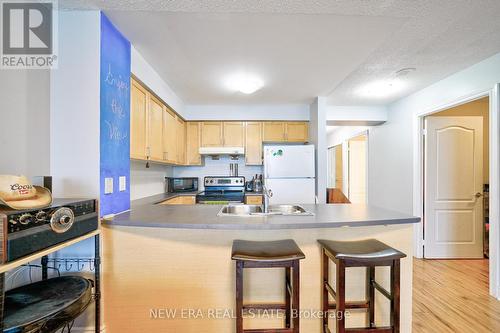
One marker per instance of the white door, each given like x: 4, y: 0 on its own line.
x: 357, y: 169
x: 453, y: 186
x: 292, y: 191
x: 282, y: 161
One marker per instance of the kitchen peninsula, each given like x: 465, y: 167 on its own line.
x: 180, y: 263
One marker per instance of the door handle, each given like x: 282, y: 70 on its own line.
x: 478, y: 195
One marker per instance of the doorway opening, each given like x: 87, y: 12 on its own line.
x: 456, y: 182
x: 357, y: 166
x: 348, y: 165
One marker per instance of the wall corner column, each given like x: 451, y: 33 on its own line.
x: 317, y: 130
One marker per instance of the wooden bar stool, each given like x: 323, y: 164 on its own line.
x: 366, y: 253
x: 273, y: 254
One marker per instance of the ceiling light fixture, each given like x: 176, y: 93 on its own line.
x: 382, y: 88
x: 388, y: 87
x: 244, y: 82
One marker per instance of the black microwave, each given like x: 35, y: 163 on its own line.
x: 184, y: 184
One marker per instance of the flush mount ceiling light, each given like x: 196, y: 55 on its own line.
x: 244, y: 82
x: 388, y: 87
x: 382, y: 88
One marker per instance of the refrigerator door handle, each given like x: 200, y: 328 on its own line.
x: 266, y: 164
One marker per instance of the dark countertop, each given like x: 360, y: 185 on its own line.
x: 144, y: 213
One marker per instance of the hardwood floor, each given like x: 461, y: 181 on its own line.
x: 452, y: 296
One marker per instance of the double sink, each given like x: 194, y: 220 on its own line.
x: 258, y: 210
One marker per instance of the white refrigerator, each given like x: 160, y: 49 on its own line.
x: 289, y: 171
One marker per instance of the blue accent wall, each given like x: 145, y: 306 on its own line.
x: 115, y: 117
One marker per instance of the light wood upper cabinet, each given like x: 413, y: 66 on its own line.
x: 297, y: 131
x: 211, y: 134
x: 155, y: 136
x: 181, y: 141
x: 293, y: 131
x: 253, y: 146
x: 138, y: 121
x: 159, y: 134
x: 274, y: 131
x: 234, y: 134
x: 170, y: 137
x: 193, y: 130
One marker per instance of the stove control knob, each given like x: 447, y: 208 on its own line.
x: 41, y: 216
x: 13, y: 222
x: 26, y: 219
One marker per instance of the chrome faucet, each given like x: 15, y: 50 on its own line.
x: 268, y: 193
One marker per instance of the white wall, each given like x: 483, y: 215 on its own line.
x: 317, y: 135
x: 147, y: 74
x: 24, y: 119
x: 391, y: 145
x: 361, y: 114
x: 145, y: 182
x: 340, y: 134
x: 247, y: 112
x: 75, y: 106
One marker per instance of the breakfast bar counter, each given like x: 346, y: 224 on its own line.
x: 147, y: 213
x: 169, y: 268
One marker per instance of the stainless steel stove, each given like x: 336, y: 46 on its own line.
x: 222, y: 190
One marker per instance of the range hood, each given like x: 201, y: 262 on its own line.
x: 222, y: 151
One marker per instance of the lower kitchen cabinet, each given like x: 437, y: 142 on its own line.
x: 253, y: 199
x: 180, y: 200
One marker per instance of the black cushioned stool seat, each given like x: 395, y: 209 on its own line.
x: 368, y: 253
x: 269, y: 254
x: 279, y: 250
x: 369, y: 249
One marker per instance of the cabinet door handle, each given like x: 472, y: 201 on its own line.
x: 148, y: 152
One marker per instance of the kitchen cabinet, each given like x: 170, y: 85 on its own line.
x: 274, y: 131
x: 286, y: 131
x: 253, y: 199
x: 170, y: 137
x: 253, y: 143
x: 211, y: 134
x: 181, y: 141
x: 180, y: 200
x: 193, y: 138
x: 297, y: 131
x: 159, y: 134
x: 138, y: 121
x: 233, y: 134
x: 155, y: 137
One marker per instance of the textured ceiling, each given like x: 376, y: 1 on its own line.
x: 351, y: 43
